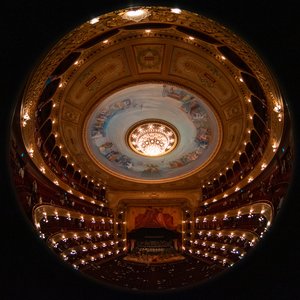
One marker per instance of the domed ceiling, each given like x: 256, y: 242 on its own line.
x: 153, y: 63
x: 151, y: 118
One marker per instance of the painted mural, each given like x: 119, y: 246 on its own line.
x: 193, y: 119
x: 154, y: 217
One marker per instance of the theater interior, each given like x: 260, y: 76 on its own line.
x: 151, y: 150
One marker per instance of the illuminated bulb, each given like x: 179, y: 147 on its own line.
x: 76, y: 62
x: 30, y: 152
x: 223, y: 57
x: 94, y: 21
x: 176, y: 10
x: 135, y: 13
x: 191, y: 38
x: 148, y: 30
x: 105, y: 41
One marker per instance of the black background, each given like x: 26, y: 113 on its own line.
x: 28, y: 270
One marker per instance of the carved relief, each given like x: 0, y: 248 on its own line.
x: 107, y: 69
x: 70, y: 114
x: 149, y: 58
x: 203, y: 72
x: 233, y: 110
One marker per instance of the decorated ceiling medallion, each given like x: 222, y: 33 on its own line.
x: 124, y: 137
x: 152, y: 138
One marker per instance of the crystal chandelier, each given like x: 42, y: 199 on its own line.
x: 152, y: 138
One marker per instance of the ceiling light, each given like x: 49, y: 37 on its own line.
x: 136, y: 15
x: 152, y: 138
x: 176, y: 10
x: 94, y: 21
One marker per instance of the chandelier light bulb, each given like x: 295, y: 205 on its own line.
x: 152, y: 138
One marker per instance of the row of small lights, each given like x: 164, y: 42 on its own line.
x: 134, y: 13
x: 231, y: 236
x: 95, y: 246
x: 70, y: 191
x: 75, y: 236
x: 211, y: 256
x: 68, y: 216
x: 263, y: 166
x: 222, y: 247
x: 237, y: 188
x: 31, y: 151
x: 238, y: 216
x: 95, y: 258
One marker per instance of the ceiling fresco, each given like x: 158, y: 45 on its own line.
x: 194, y: 120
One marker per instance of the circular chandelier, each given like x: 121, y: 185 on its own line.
x: 152, y: 137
